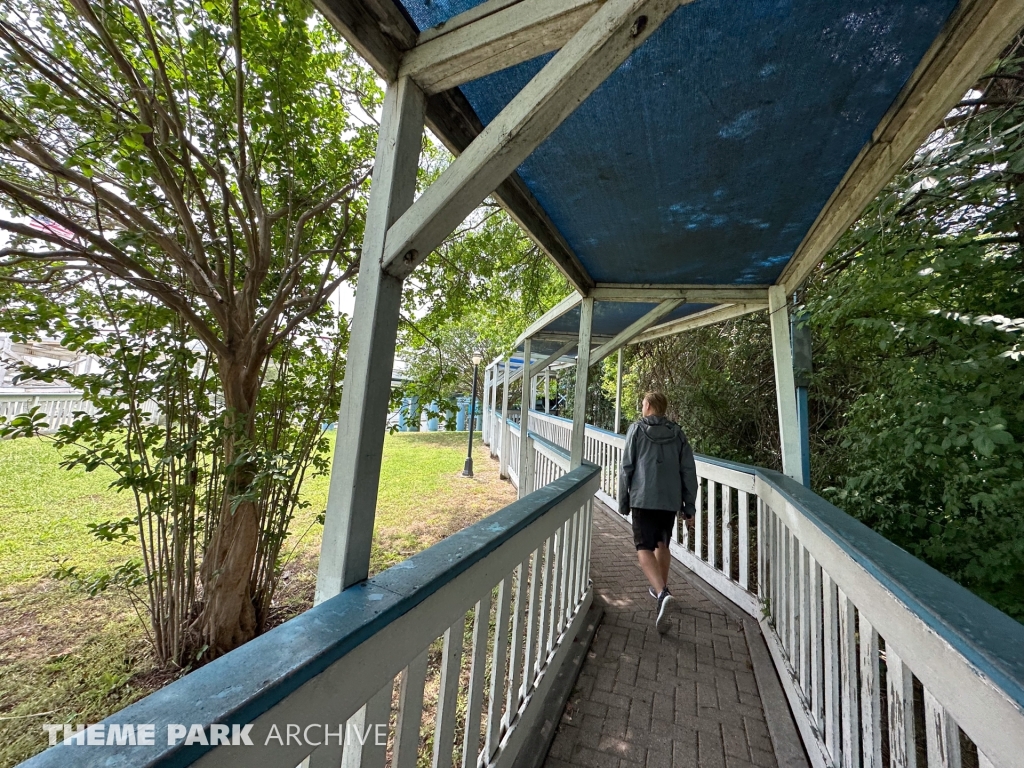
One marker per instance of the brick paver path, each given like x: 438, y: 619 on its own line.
x: 687, y: 698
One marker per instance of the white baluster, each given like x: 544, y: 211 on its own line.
x: 448, y: 695
x: 772, y: 560
x: 762, y: 590
x: 712, y: 516
x: 561, y: 584
x: 830, y: 607
x: 410, y: 713
x: 848, y: 682
x: 792, y: 599
x: 816, y: 626
x: 518, y: 644
x: 533, y: 611
x: 870, y: 695
x: 805, y: 619
x: 942, y: 735
x: 743, y: 524
x: 497, y: 697
x: 727, y: 497
x: 785, y: 590
x: 545, y: 603
x: 369, y: 754
x: 900, y: 687
x: 698, y: 524
x: 587, y: 545
x: 477, y: 673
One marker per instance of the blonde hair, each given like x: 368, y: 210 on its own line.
x: 658, y: 402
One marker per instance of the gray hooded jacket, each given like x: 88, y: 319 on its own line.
x: 657, y: 471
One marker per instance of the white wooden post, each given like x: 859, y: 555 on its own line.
x: 503, y: 427
x: 524, y: 422
x: 618, y: 392
x: 355, y: 474
x: 484, y: 399
x: 495, y: 433
x: 579, y: 410
x: 785, y: 386
x: 547, y: 391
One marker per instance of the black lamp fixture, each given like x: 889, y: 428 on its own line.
x: 467, y: 471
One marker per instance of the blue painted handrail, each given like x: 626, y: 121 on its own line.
x: 553, y: 447
x: 244, y: 684
x: 988, y: 638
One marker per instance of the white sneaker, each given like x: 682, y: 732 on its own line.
x: 665, y: 604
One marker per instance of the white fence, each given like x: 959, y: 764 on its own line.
x: 58, y: 409
x: 884, y: 660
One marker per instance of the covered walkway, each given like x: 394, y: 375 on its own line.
x: 682, y: 162
x: 686, y: 698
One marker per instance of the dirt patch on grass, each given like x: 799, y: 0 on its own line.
x: 66, y: 657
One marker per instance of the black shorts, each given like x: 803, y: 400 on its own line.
x: 652, y: 527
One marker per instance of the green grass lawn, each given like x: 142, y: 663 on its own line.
x: 66, y: 657
x: 44, y: 511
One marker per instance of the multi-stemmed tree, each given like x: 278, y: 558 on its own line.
x: 182, y: 186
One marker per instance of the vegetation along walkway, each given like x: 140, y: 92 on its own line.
x: 690, y: 697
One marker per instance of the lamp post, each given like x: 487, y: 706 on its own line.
x: 467, y: 471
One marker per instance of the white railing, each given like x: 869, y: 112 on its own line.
x: 513, y: 453
x: 884, y: 660
x: 58, y: 410
x: 551, y: 428
x: 492, y: 436
x: 547, y: 460
x: 501, y: 600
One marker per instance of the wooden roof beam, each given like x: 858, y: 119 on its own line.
x: 697, y: 294
x: 536, y: 368
x: 377, y: 29
x: 567, y: 304
x: 699, y: 320
x: 381, y: 34
x: 492, y: 37
x: 583, y: 63
x: 633, y: 330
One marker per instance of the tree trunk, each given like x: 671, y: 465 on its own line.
x: 228, y: 616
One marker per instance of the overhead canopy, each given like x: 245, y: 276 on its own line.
x: 707, y: 156
x: 729, y: 150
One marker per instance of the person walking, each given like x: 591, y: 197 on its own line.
x: 657, y: 480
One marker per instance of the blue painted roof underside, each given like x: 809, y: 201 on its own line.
x: 610, y: 317
x: 707, y: 155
